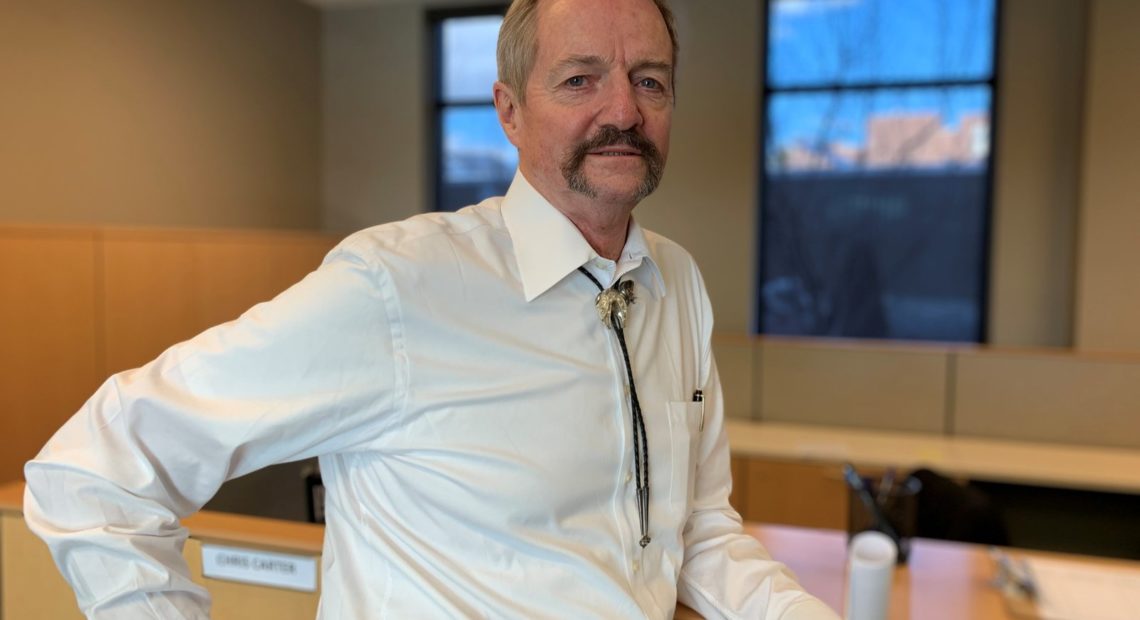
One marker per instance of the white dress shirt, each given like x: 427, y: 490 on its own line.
x: 472, y: 419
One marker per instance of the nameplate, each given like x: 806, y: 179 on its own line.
x: 263, y: 568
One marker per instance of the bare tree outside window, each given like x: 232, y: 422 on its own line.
x: 876, y: 175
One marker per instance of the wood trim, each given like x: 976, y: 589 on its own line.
x: 995, y: 460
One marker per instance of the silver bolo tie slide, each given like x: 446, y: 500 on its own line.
x: 613, y: 303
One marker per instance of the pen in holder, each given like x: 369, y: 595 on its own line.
x: 886, y: 506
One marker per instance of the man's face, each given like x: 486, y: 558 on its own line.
x: 599, y: 102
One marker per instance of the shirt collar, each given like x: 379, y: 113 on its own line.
x: 548, y: 246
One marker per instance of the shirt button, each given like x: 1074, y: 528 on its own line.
x: 636, y: 566
x: 628, y: 477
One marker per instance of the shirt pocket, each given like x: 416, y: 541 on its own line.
x: 685, y: 419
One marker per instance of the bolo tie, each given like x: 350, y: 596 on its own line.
x: 613, y: 305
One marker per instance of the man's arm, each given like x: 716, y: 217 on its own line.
x: 726, y: 573
x: 312, y: 372
x: 729, y: 574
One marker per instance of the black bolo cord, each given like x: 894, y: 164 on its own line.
x: 640, y: 445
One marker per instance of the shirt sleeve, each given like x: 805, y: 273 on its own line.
x: 316, y: 370
x: 727, y: 573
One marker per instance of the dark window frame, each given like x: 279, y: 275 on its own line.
x: 766, y: 93
x: 434, y: 97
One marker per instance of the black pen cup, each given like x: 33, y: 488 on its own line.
x: 898, y: 505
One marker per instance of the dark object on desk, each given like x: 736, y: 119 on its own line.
x: 948, y: 510
x: 315, y: 491
x: 276, y: 492
x: 1100, y: 523
x: 882, y: 505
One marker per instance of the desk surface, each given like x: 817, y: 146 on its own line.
x: 1017, y: 462
x: 944, y: 580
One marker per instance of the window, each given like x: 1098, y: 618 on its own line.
x: 473, y: 159
x: 876, y: 174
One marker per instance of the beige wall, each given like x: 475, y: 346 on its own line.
x: 375, y: 115
x: 376, y: 111
x: 707, y: 201
x: 1040, y: 95
x: 1108, y: 299
x: 160, y: 112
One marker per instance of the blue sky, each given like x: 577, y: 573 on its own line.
x: 862, y: 40
x: 850, y: 41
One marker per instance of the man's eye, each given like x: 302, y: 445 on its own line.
x: 576, y: 81
x: 650, y: 83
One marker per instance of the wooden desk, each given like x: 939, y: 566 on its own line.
x: 32, y: 589
x: 943, y: 580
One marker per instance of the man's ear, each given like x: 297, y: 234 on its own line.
x: 507, y: 107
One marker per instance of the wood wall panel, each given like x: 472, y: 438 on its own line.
x: 48, y: 348
x: 805, y: 494
x: 30, y: 586
x: 793, y: 492
x: 1063, y: 398
x: 734, y: 355
x: 80, y: 304
x: 267, y: 267
x: 739, y: 484
x: 165, y: 287
x: 148, y: 303
x: 865, y: 385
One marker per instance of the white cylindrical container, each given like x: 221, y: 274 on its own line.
x: 870, y: 570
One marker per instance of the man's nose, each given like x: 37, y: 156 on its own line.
x: 620, y: 106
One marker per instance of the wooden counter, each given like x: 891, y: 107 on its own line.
x: 791, y: 474
x: 995, y: 460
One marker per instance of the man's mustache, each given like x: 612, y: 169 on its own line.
x: 609, y: 135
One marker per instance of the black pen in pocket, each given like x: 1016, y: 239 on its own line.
x: 699, y: 397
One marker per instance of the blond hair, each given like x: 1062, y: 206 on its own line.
x: 518, y: 42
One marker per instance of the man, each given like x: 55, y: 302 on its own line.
x: 490, y: 448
